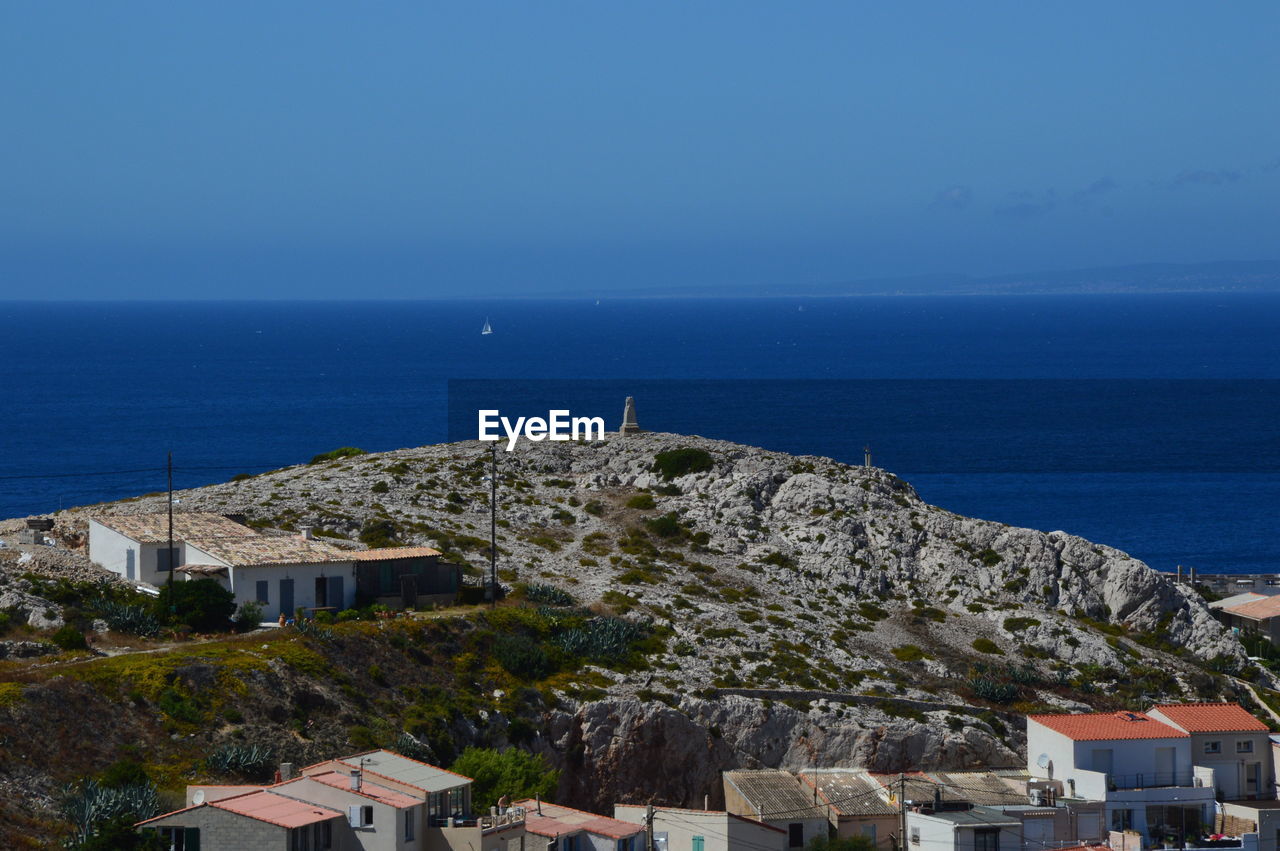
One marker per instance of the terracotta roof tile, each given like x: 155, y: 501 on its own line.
x: 1108, y: 726
x: 153, y: 528
x: 268, y: 549
x: 391, y: 797
x: 393, y: 552
x: 276, y: 809
x: 1211, y: 717
x: 557, y: 820
x: 1259, y: 610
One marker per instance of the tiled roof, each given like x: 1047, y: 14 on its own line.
x: 202, y: 569
x: 1259, y: 610
x: 1108, y: 726
x: 154, y: 528
x: 399, y: 800
x: 1236, y: 599
x: 556, y: 820
x: 392, y: 553
x: 983, y: 788
x: 266, y: 806
x: 775, y: 794
x: 276, y: 809
x: 402, y: 769
x: 850, y: 792
x: 1210, y: 717
x: 269, y: 549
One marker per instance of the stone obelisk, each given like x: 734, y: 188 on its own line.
x: 629, y: 424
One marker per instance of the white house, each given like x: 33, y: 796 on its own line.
x: 780, y: 799
x: 281, y: 572
x: 136, y: 546
x: 1228, y: 739
x: 678, y: 829
x: 971, y: 829
x: 1139, y: 766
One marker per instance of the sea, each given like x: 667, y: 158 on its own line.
x: 1147, y: 422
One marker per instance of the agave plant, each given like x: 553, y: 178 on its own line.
x: 602, y: 638
x: 549, y: 594
x: 241, y: 760
x: 88, y: 804
x: 133, y: 619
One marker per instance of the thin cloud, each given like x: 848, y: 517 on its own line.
x: 1206, y: 177
x: 1029, y: 205
x: 1098, y: 188
x: 954, y: 198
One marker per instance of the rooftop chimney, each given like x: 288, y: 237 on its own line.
x: 306, y: 533
x: 287, y: 771
x: 356, y: 780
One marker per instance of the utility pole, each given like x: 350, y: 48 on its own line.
x: 493, y: 526
x: 173, y: 608
x: 648, y: 826
x: 902, y: 812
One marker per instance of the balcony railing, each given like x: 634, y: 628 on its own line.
x: 1151, y: 780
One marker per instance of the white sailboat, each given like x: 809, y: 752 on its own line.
x: 487, y: 329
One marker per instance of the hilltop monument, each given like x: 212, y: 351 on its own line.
x: 629, y: 424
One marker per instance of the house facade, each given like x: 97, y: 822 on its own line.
x: 779, y: 799
x: 136, y: 546
x: 1138, y: 767
x: 259, y: 820
x: 405, y: 577
x: 1226, y: 738
x: 678, y: 829
x: 963, y: 829
x: 857, y: 804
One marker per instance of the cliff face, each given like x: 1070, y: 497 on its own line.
x: 810, y: 613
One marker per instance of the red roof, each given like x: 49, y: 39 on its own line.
x: 1210, y: 717
x: 556, y: 820
x: 1108, y: 726
x: 262, y: 805
x: 1258, y: 610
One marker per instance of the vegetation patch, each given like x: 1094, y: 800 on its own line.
x: 682, y: 462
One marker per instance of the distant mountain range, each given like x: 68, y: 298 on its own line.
x: 1232, y: 276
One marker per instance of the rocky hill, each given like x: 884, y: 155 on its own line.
x: 800, y: 612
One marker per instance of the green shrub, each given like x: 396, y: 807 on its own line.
x: 986, y: 645
x: 380, y: 487
x: 471, y: 595
x: 335, y: 454
x: 202, y: 604
x: 379, y: 533
x: 522, y: 657
x: 1019, y: 624
x: 666, y: 526
x: 642, y: 501
x: 69, y: 638
x: 909, y: 653
x: 513, y: 772
x: 681, y: 462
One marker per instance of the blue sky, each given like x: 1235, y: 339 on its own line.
x: 304, y: 150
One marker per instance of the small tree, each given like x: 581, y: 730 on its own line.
x: 846, y: 843
x: 515, y: 773
x: 202, y: 604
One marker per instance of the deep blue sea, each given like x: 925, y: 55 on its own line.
x: 1151, y: 423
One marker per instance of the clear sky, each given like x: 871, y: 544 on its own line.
x: 419, y: 149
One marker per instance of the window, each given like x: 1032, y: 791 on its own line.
x: 869, y: 831
x: 166, y: 559
x: 1122, y: 819
x: 386, y: 579
x: 360, y: 816
x: 322, y: 835
x: 408, y: 825
x: 986, y: 839
x: 263, y: 591
x: 180, y: 838
x: 698, y: 842
x: 795, y: 835
x: 1245, y: 746
x: 1213, y: 747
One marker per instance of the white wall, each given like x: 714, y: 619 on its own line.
x: 122, y: 555
x: 387, y: 833
x: 719, y: 830
x: 243, y: 582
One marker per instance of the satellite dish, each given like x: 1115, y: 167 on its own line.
x: 198, y: 797
x: 1043, y: 760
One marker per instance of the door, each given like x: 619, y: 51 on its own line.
x: 322, y: 592
x: 1164, y: 766
x: 286, y: 597
x: 409, y: 591
x: 130, y: 565
x: 334, y: 595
